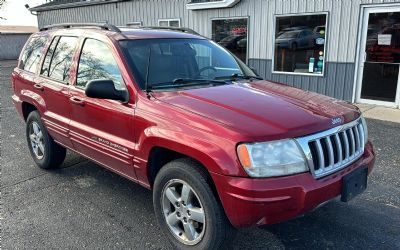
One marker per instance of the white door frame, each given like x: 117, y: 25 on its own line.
x: 361, y: 54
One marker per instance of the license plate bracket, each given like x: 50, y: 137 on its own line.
x: 354, y: 184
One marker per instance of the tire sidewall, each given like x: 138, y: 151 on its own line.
x: 211, y: 208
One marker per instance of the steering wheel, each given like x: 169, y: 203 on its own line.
x: 207, y: 68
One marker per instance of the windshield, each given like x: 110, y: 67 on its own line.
x: 174, y: 59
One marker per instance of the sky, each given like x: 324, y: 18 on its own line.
x: 16, y: 13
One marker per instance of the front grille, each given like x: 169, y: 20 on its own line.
x: 334, y: 149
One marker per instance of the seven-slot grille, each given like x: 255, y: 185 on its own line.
x: 335, y: 149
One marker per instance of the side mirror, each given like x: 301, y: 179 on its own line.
x: 105, y: 89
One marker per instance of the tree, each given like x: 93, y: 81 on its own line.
x: 2, y: 2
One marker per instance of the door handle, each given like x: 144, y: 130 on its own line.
x: 38, y: 86
x: 77, y: 101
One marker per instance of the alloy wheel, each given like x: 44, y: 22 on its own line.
x: 36, y: 139
x: 183, y: 212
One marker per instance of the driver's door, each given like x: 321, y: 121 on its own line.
x: 101, y: 129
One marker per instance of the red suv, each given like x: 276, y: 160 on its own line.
x: 177, y: 113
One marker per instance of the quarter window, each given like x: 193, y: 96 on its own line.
x: 300, y: 43
x: 97, y: 62
x: 60, y: 64
x: 32, y: 54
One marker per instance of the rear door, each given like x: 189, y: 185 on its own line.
x: 55, y: 80
x: 102, y: 129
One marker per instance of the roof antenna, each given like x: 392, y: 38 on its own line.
x: 146, y: 84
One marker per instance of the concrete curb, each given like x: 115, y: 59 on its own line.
x: 380, y: 113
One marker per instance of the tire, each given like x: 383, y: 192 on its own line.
x: 216, y: 230
x: 45, y: 152
x: 294, y: 46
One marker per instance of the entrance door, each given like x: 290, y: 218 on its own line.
x: 380, y: 57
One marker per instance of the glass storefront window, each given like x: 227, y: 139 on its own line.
x: 231, y: 34
x: 300, y: 43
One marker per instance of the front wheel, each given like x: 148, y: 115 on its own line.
x: 186, y: 208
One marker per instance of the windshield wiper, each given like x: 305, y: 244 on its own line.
x: 236, y: 77
x: 186, y: 82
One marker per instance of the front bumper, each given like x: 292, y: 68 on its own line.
x: 249, y: 202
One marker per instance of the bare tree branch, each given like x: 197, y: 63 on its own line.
x: 2, y: 2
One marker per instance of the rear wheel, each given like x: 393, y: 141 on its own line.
x: 186, y: 208
x: 45, y: 152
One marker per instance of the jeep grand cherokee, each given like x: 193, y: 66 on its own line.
x: 177, y: 113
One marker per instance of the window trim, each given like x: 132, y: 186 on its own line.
x: 45, y: 55
x: 169, y: 20
x: 273, y: 71
x: 81, y: 47
x: 212, y: 4
x: 248, y: 32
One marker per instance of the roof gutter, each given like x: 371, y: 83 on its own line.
x: 72, y: 5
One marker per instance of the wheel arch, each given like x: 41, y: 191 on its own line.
x: 157, y: 151
x: 31, y: 101
x: 27, y: 108
x: 160, y: 156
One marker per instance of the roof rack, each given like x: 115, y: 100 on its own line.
x: 103, y: 26
x: 181, y: 29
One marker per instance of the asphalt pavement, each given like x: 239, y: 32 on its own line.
x: 81, y: 205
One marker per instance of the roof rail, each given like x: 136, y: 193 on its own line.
x: 181, y: 29
x: 103, y: 26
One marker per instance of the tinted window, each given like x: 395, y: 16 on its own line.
x: 62, y: 58
x: 178, y: 58
x: 46, y: 65
x: 232, y: 34
x: 300, y: 43
x: 32, y: 53
x: 97, y: 62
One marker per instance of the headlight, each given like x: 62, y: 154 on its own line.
x: 364, y: 124
x: 269, y: 159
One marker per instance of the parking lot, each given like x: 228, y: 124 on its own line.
x: 82, y: 205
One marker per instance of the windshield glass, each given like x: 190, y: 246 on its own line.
x: 172, y: 59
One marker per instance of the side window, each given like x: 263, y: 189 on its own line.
x: 97, y: 62
x: 47, y: 60
x: 31, y: 56
x: 60, y: 64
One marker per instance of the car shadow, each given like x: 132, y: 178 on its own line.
x: 334, y: 225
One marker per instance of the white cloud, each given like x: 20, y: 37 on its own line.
x: 16, y: 13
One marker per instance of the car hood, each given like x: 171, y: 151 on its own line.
x: 263, y: 110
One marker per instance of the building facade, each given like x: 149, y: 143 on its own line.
x: 11, y: 44
x: 348, y: 49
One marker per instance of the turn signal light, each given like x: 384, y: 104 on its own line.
x: 244, y: 156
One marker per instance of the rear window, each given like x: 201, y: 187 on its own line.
x: 32, y: 53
